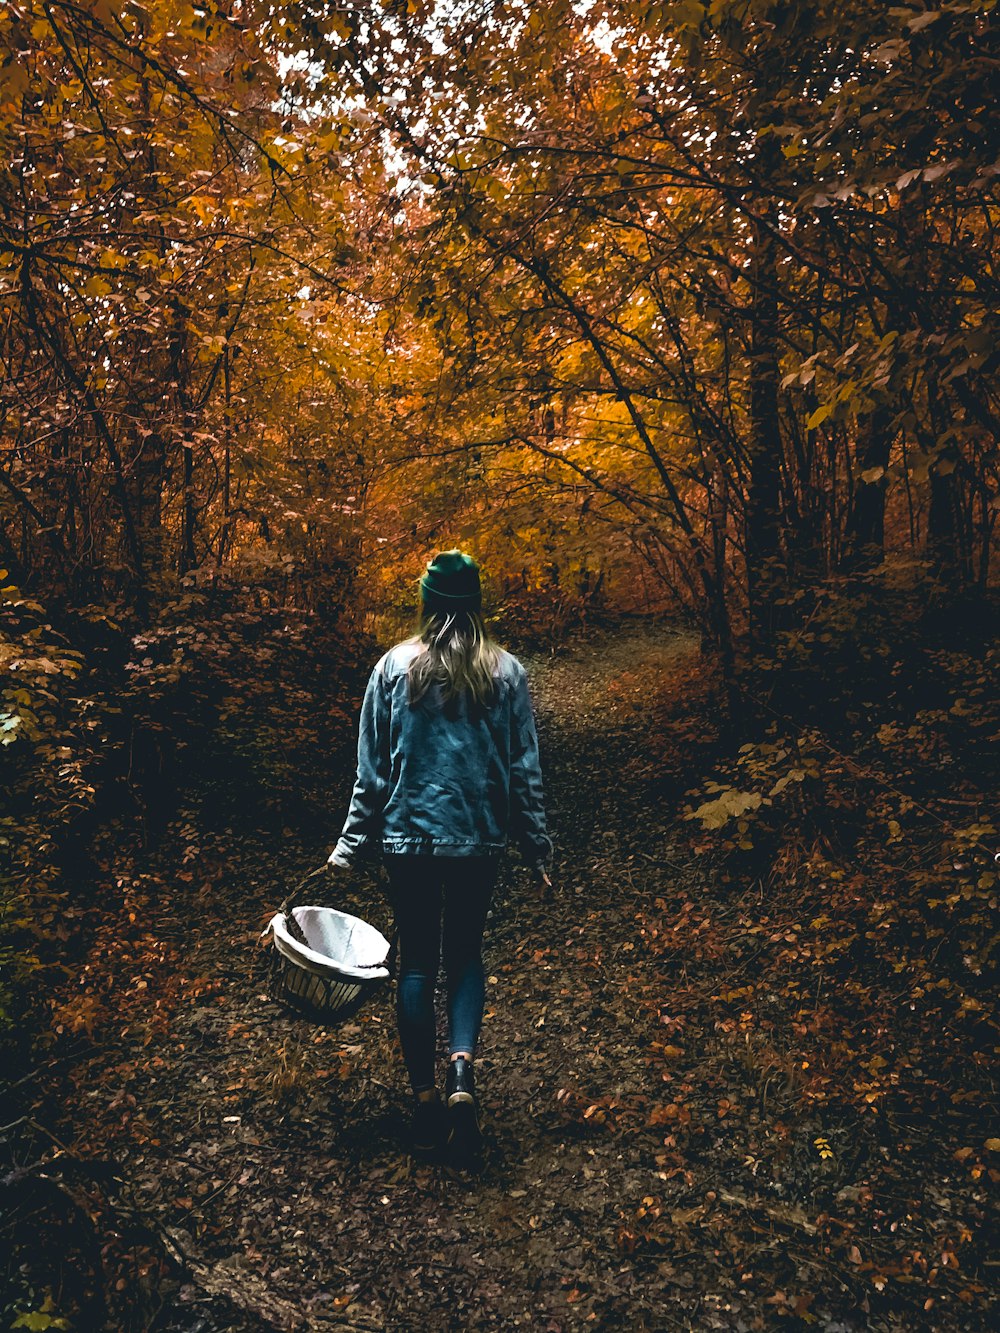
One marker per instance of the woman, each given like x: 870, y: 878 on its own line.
x: 447, y: 769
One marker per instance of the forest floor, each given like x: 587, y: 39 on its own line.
x: 652, y: 1160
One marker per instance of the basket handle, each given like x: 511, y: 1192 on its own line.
x: 289, y: 903
x: 291, y: 925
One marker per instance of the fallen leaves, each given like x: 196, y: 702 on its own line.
x: 687, y: 1106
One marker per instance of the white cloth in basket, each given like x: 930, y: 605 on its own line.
x: 338, y: 944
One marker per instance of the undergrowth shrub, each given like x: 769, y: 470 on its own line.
x: 863, y: 802
x: 241, y: 709
x: 106, y: 729
x: 49, y: 737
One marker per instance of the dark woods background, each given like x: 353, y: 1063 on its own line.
x: 681, y: 310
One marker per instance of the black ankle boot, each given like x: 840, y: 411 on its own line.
x: 426, y: 1125
x: 463, y: 1112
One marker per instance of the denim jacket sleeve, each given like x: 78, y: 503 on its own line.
x: 527, y: 809
x: 360, y: 834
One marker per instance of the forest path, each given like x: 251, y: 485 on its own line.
x: 274, y: 1152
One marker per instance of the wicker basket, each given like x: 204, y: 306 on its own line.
x: 326, y: 963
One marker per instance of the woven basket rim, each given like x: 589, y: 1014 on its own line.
x: 309, y: 960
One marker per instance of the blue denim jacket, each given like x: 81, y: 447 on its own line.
x: 440, y: 785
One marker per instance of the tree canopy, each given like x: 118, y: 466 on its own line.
x: 692, y: 298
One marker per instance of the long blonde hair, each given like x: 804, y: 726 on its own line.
x: 457, y: 653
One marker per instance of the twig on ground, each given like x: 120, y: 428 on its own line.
x: 237, y: 1283
x: 40, y: 1069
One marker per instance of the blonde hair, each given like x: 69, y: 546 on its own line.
x: 457, y: 653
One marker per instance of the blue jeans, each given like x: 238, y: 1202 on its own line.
x: 429, y: 891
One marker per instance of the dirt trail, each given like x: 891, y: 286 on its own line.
x: 652, y: 1156
x: 271, y: 1154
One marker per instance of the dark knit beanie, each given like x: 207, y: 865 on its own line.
x: 451, y: 583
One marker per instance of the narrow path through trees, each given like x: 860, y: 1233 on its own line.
x: 651, y: 1160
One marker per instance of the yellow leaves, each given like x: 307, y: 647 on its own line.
x: 204, y: 207
x: 103, y: 11
x: 688, y: 15
x: 42, y: 1319
x: 870, y: 1093
x: 340, y: 23
x: 79, y: 1014
x: 214, y: 343
x: 730, y: 805
x: 976, y: 832
x: 332, y: 137
x: 497, y: 188
x: 843, y: 395
x: 14, y: 80
x: 795, y: 775
x: 537, y: 22
x: 819, y: 416
x: 740, y: 993
x: 614, y: 96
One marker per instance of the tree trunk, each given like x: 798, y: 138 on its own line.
x: 864, y: 539
x: 766, y: 574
